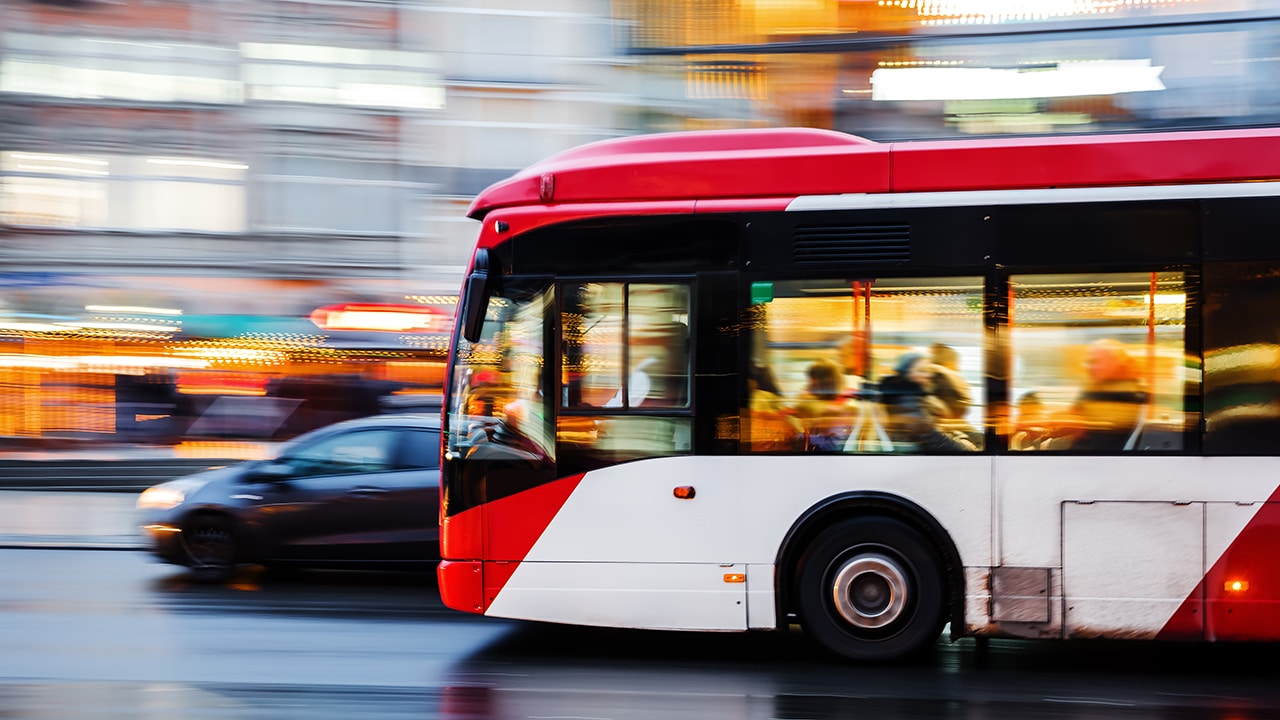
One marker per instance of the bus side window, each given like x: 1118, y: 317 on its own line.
x: 626, y: 346
x: 840, y: 349
x: 625, y: 349
x: 1241, y: 358
x: 1099, y: 363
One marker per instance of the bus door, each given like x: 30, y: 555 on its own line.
x: 498, y: 434
x: 625, y: 426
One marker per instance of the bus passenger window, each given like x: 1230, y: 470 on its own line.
x: 1241, y: 358
x: 866, y: 366
x: 625, y: 373
x: 1099, y: 363
x: 626, y: 346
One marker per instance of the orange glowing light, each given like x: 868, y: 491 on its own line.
x: 1235, y: 586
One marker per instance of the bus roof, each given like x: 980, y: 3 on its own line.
x: 794, y: 162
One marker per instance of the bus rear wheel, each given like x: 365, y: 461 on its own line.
x: 871, y: 589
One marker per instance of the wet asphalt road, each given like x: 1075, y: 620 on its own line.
x: 111, y: 634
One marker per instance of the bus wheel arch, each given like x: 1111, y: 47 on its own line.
x: 837, y: 512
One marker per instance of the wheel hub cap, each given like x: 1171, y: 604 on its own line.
x: 870, y: 591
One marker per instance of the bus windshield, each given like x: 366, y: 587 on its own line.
x: 498, y: 401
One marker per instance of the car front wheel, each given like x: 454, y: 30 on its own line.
x: 210, y: 544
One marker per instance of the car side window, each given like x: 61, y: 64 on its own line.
x: 421, y: 450
x: 364, y: 451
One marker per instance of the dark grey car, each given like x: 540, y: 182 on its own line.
x: 362, y: 493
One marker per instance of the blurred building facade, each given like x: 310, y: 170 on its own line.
x: 216, y: 213
x: 913, y: 69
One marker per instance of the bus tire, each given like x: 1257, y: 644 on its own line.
x: 872, y: 589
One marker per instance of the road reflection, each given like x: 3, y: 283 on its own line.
x: 485, y: 668
x: 309, y: 593
x: 549, y: 671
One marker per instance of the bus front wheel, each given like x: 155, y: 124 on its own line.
x: 871, y: 588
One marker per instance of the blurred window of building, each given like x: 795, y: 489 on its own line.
x: 122, y: 192
x: 312, y: 189
x: 327, y: 75
x: 100, y: 68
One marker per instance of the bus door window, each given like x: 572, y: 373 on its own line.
x: 1099, y: 362
x: 866, y: 365
x: 625, y: 371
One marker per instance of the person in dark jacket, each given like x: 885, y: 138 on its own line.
x: 914, y: 413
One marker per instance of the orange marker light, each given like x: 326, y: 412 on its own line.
x: 735, y: 578
x: 1235, y: 586
x: 684, y: 492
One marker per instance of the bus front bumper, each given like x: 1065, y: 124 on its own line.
x: 462, y: 585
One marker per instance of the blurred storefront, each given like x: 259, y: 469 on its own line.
x: 196, y: 362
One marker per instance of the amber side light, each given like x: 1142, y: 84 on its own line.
x: 684, y: 492
x: 1236, y: 586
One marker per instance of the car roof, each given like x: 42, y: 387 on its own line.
x: 427, y: 421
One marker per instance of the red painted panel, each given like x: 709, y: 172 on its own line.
x: 516, y: 522
x: 778, y: 162
x: 496, y: 575
x: 462, y: 585
x: 462, y: 535
x: 1253, y: 613
x: 1187, y: 623
x: 1079, y: 161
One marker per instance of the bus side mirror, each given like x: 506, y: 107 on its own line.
x: 477, y: 293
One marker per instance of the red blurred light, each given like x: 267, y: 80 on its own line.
x: 383, y: 317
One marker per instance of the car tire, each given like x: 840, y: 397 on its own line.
x: 209, y: 541
x: 872, y: 589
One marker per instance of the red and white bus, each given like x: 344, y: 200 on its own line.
x: 751, y: 380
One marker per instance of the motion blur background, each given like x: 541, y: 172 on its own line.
x: 225, y: 222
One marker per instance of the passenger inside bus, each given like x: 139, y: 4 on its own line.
x: 1031, y: 427
x: 1109, y: 407
x: 823, y: 410
x: 916, y: 417
x: 772, y: 426
x: 950, y: 387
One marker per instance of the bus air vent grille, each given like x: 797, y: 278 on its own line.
x: 874, y: 244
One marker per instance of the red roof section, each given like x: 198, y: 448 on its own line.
x: 791, y: 162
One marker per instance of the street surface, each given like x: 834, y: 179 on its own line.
x: 109, y: 633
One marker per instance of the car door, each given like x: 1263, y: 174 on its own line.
x: 411, y: 526
x: 334, y: 503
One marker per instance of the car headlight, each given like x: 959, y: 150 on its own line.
x: 168, y: 495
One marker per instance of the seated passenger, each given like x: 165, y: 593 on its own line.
x: 949, y: 386
x: 915, y: 414
x: 823, y: 411
x: 1032, y: 426
x: 770, y: 424
x: 1110, y: 405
